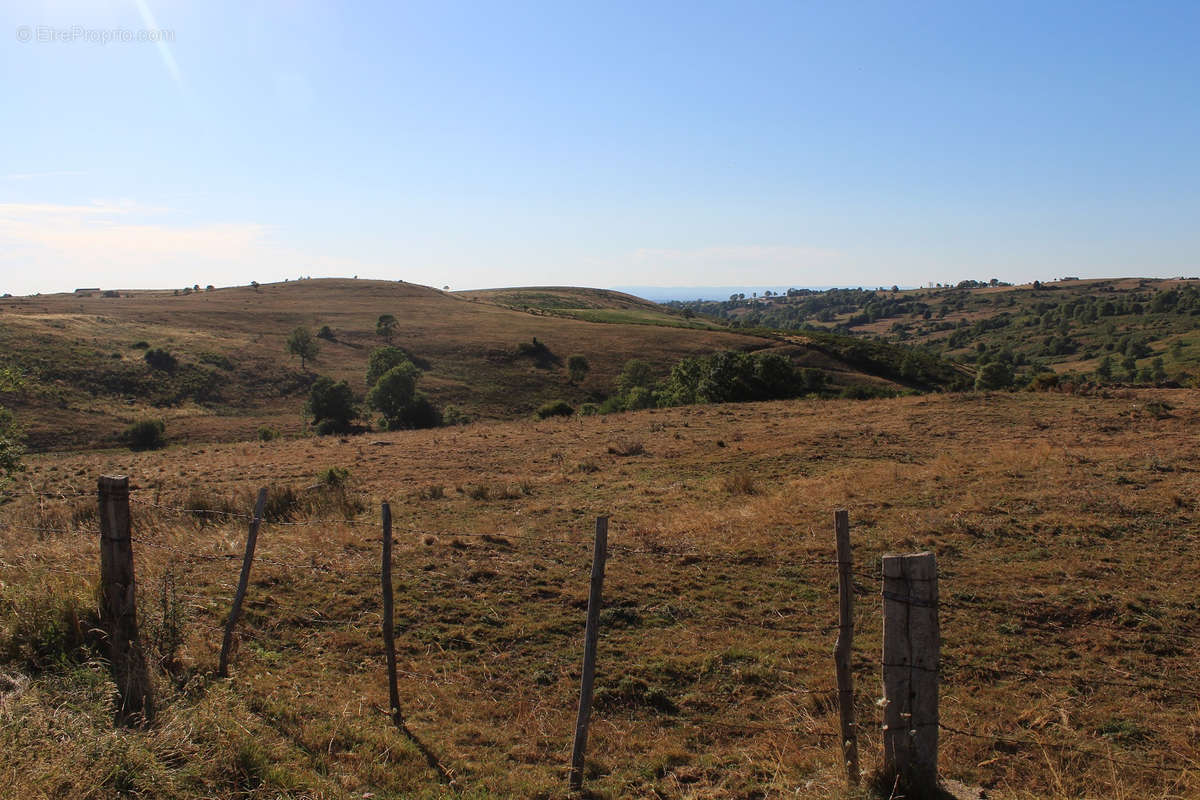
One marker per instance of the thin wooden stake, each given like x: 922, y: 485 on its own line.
x: 118, y: 606
x: 911, y: 650
x: 240, y: 594
x: 389, y: 636
x: 389, y: 646
x: 845, y: 645
x: 595, y: 596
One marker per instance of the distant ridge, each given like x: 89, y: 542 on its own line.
x: 663, y: 294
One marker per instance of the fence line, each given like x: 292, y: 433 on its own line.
x: 1068, y: 747
x: 634, y: 553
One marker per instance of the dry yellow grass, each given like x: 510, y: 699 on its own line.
x: 1065, y: 529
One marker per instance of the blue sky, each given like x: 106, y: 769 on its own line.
x: 509, y: 143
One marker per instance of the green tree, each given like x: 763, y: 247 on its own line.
x: 385, y: 326
x: 577, y: 367
x: 382, y: 359
x: 331, y: 406
x: 396, y: 398
x: 302, y: 343
x: 636, y: 372
x: 1105, y: 368
x: 1159, y: 371
x: 994, y: 375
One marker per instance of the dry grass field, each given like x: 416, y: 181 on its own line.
x: 83, y: 355
x: 1065, y: 528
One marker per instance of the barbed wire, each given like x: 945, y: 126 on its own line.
x: 1091, y: 753
x: 955, y: 664
x: 973, y: 606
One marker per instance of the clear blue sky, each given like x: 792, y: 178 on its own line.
x: 510, y: 143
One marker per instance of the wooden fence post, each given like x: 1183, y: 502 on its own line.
x: 911, y: 651
x: 845, y: 645
x: 389, y: 646
x: 389, y: 636
x: 600, y: 554
x: 118, y: 607
x: 240, y: 594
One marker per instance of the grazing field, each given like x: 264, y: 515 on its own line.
x: 1065, y: 528
x: 226, y: 372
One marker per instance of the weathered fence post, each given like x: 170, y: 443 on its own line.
x: 845, y: 645
x: 118, y: 606
x: 599, y: 555
x: 240, y: 594
x: 389, y: 646
x: 911, y: 651
x: 389, y: 636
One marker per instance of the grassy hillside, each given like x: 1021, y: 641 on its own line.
x: 1066, y: 327
x: 1065, y: 528
x: 592, y: 305
x: 87, y: 378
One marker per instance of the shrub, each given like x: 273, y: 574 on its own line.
x: 334, y: 477
x: 636, y: 372
x: 331, y: 406
x: 994, y: 375
x: 533, y: 348
x: 395, y: 396
x: 266, y: 434
x: 48, y: 627
x: 161, y: 359
x: 453, y: 415
x: 555, y: 408
x: 577, y: 368
x: 640, y: 397
x: 146, y: 434
x: 141, y: 345
x: 1044, y: 382
x: 326, y: 333
x: 589, y: 410
x: 383, y: 359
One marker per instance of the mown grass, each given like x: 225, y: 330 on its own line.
x: 1064, y: 526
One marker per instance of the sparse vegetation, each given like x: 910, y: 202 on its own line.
x: 302, y: 344
x: 161, y: 359
x: 146, y: 434
x: 555, y: 408
x: 385, y: 327
x: 394, y: 395
x: 331, y: 406
x: 578, y: 367
x: 718, y: 571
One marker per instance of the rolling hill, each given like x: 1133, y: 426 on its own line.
x: 1148, y: 329
x: 83, y: 355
